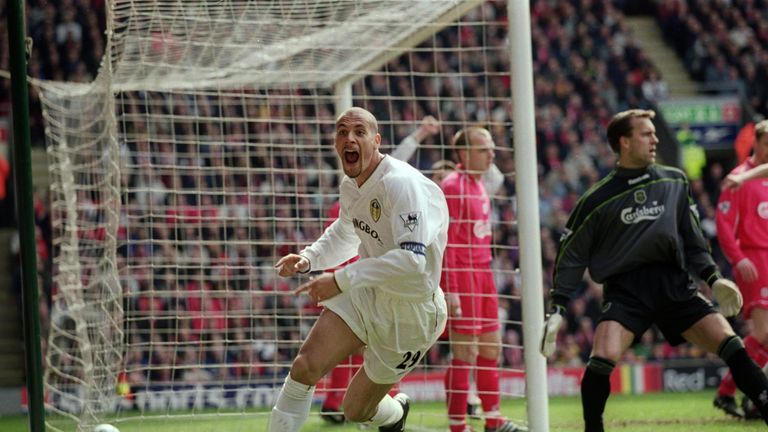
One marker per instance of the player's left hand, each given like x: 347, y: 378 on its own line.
x: 728, y: 297
x: 319, y: 288
x: 430, y: 125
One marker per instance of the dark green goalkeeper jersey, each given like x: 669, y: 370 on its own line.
x: 631, y: 218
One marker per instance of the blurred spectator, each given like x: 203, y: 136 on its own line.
x: 654, y: 88
x: 694, y: 157
x: 722, y: 44
x: 7, y: 208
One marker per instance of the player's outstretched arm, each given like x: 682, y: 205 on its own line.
x: 733, y: 181
x: 291, y: 264
x: 408, y: 146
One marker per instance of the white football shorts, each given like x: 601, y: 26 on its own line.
x: 397, y: 332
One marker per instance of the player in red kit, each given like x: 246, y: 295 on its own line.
x: 473, y: 321
x: 742, y: 231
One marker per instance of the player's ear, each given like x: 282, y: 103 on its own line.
x: 461, y: 155
x: 623, y: 143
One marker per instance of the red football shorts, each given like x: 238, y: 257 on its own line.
x: 478, y: 298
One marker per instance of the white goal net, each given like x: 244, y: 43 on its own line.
x: 203, y: 152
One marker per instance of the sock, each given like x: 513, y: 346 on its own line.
x: 339, y: 381
x: 595, y: 389
x: 292, y: 407
x: 356, y: 360
x: 757, y: 351
x: 727, y: 386
x: 457, y: 389
x: 388, y: 412
x: 749, y: 378
x: 487, y: 381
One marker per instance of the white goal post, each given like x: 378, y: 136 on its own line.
x: 203, y: 152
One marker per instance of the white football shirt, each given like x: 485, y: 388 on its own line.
x: 397, y: 221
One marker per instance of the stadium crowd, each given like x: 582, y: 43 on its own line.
x: 199, y: 254
x: 723, y: 44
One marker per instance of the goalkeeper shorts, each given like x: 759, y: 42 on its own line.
x: 398, y: 333
x: 658, y: 294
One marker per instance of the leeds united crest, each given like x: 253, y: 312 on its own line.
x: 375, y: 210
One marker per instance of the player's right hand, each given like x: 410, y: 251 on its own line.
x: 291, y: 264
x: 551, y: 327
x: 454, y: 305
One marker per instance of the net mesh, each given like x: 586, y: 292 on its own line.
x: 203, y: 152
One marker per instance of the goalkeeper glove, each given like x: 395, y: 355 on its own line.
x: 728, y: 297
x: 551, y: 327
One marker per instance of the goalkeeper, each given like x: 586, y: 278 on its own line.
x: 638, y: 233
x: 389, y: 301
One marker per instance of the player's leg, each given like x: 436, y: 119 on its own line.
x: 369, y: 403
x: 713, y: 333
x: 610, y: 342
x: 463, y: 330
x: 392, y: 352
x: 756, y: 342
x: 489, y: 352
x: 756, y: 311
x: 329, y: 342
x: 487, y: 378
x: 337, y: 385
x: 487, y: 375
x: 464, y: 351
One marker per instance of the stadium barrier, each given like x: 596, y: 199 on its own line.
x: 671, y: 376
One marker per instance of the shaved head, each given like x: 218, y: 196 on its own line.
x: 360, y: 114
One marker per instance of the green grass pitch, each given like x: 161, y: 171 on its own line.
x: 658, y: 412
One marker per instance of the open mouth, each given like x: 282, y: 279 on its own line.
x: 351, y: 157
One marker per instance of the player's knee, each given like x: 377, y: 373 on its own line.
x: 464, y: 351
x: 729, y: 346
x: 306, y: 371
x: 607, y: 352
x: 600, y: 365
x: 490, y: 352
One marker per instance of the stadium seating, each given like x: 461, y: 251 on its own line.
x: 586, y: 68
